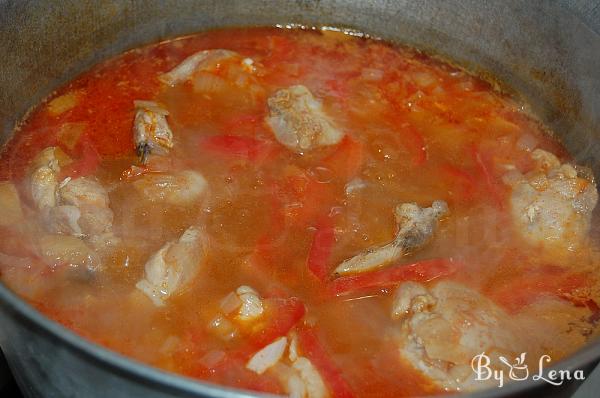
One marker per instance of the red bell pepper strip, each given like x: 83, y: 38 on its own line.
x: 320, y: 249
x: 464, y: 184
x: 237, y: 146
x: 422, y: 271
x: 282, y: 315
x: 312, y: 349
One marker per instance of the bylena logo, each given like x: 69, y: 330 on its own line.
x: 518, y: 370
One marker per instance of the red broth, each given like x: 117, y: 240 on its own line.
x: 416, y: 130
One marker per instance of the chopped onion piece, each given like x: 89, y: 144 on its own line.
x: 354, y: 185
x: 212, y: 358
x: 296, y: 387
x: 223, y: 328
x: 268, y: 356
x: 527, y: 142
x: 315, y: 386
x: 230, y: 303
x: 293, y: 349
x: 169, y: 345
x: 251, y: 303
x: 424, y: 79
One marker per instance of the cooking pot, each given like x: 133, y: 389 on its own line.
x: 547, y: 56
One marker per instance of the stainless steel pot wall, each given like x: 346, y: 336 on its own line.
x: 545, y: 54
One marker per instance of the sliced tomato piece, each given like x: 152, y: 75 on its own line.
x: 422, y: 271
x: 524, y: 288
x: 320, y: 249
x: 314, y: 350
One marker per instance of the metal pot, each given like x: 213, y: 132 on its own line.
x: 546, y: 55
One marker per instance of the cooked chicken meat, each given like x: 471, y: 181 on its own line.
x: 415, y: 228
x: 91, y: 199
x: 67, y: 250
x: 299, y: 122
x: 180, y: 188
x: 151, y: 132
x: 444, y: 327
x: 552, y: 204
x: 173, y: 266
x: 44, y: 178
x: 78, y: 207
x: 82, y: 209
x: 202, y: 60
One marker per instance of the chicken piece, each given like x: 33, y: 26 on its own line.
x: 173, y: 266
x: 415, y: 228
x: 78, y: 207
x: 557, y: 324
x: 44, y: 178
x: 200, y: 61
x: 151, y: 132
x: 552, y: 204
x: 67, y: 250
x: 299, y: 122
x: 83, y: 191
x: 82, y: 209
x: 444, y: 327
x: 63, y: 220
x: 179, y: 188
